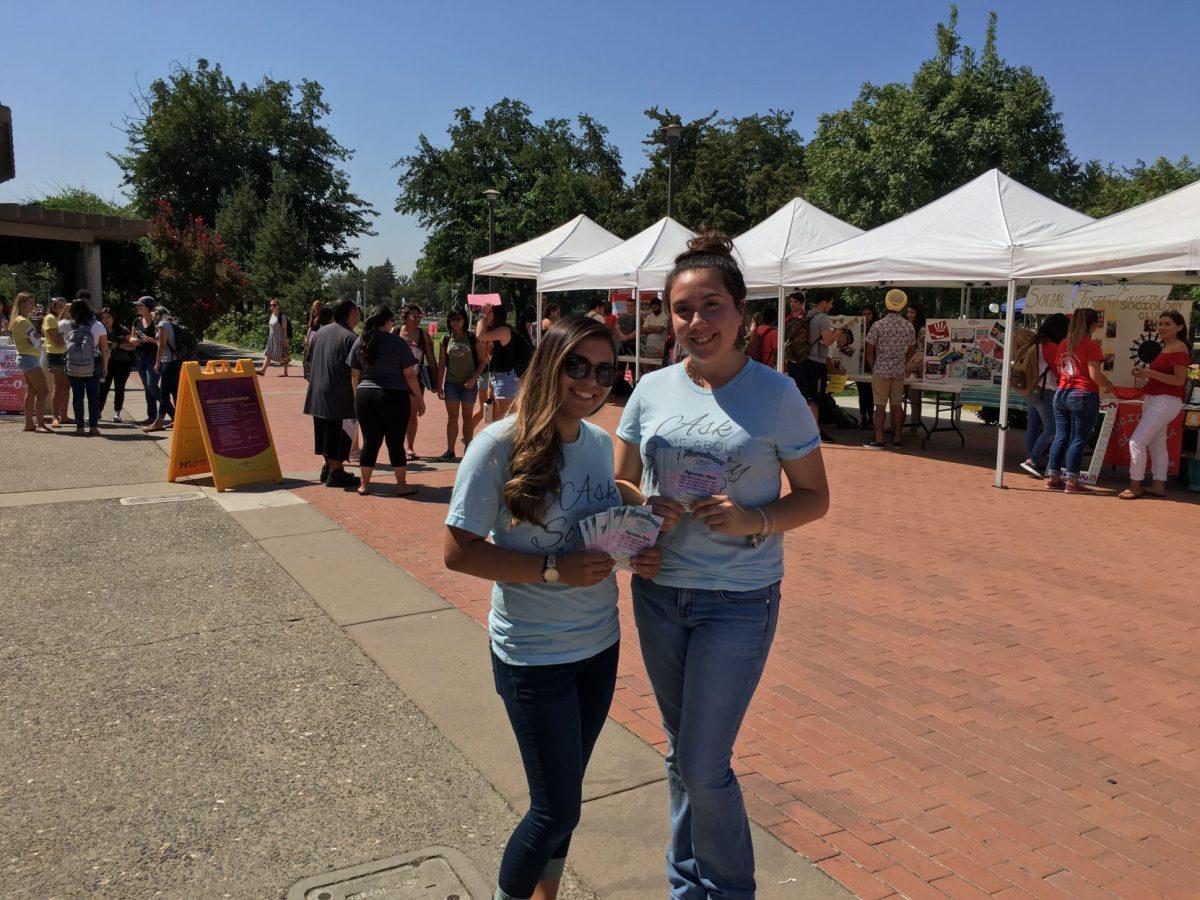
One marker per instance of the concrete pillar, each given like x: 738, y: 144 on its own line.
x: 89, y: 271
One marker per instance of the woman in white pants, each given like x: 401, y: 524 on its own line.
x: 1161, y: 403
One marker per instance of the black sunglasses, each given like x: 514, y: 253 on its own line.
x: 580, y: 367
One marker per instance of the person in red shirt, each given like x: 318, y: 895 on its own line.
x: 1077, y: 403
x: 1161, y: 403
x: 1040, y: 431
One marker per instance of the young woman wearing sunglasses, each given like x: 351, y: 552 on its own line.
x: 706, y: 621
x: 525, y: 482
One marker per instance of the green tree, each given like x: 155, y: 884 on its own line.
x: 379, y: 281
x: 546, y: 174
x: 900, y: 146
x: 280, y: 243
x: 80, y: 199
x: 1116, y: 189
x: 345, y: 284
x: 196, y: 133
x: 238, y: 216
x: 193, y: 274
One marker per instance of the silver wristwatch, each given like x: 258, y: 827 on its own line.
x: 550, y: 569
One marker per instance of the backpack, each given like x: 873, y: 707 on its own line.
x: 522, y: 351
x: 795, y: 340
x: 184, y: 344
x: 1023, y: 370
x: 81, y: 352
x: 287, y: 330
x: 756, y: 349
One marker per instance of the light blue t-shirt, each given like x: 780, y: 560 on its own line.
x: 756, y: 420
x: 541, y: 624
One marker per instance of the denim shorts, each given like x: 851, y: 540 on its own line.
x: 456, y: 393
x: 56, y: 361
x: 505, y: 385
x: 27, y: 362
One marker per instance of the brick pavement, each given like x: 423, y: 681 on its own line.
x: 972, y: 692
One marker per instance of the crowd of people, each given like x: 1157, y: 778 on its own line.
x: 69, y: 351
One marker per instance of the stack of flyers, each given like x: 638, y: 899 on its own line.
x: 622, y: 532
x: 688, y: 475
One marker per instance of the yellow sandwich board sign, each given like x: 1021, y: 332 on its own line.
x: 221, y: 426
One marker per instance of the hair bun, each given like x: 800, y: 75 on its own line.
x: 710, y: 242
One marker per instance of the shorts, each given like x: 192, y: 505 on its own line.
x: 812, y: 378
x: 456, y: 393
x: 330, y: 439
x: 56, y: 361
x: 27, y: 362
x: 505, y: 385
x: 887, y: 390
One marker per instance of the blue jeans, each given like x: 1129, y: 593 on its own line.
x: 145, y: 370
x: 90, y: 387
x: 1075, y: 415
x: 557, y: 713
x: 168, y: 387
x: 705, y: 652
x: 1040, y: 431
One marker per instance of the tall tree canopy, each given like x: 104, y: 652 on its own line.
x: 198, y: 136
x: 546, y: 174
x: 900, y: 146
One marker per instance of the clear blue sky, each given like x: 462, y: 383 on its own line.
x: 1124, y: 75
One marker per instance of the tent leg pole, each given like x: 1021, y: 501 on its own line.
x: 1010, y: 318
x: 637, y: 337
x: 779, y: 330
x: 538, y: 324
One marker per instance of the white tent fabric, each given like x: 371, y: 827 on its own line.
x: 966, y: 236
x: 1156, y: 242
x: 642, y: 262
x: 568, y: 243
x: 795, y: 228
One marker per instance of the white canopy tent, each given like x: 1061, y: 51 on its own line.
x: 795, y: 228
x: 569, y: 243
x: 641, y: 263
x: 967, y: 237
x: 1156, y: 242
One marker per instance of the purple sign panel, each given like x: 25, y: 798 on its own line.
x: 233, y: 417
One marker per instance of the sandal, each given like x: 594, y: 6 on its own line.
x: 406, y: 490
x: 1131, y: 494
x: 363, y: 490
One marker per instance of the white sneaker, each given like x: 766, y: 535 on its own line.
x: 1031, y: 469
x: 117, y: 417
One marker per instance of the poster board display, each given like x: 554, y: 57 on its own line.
x: 850, y: 355
x: 964, y: 351
x: 1129, y: 414
x: 1109, y: 410
x: 1128, y: 316
x: 221, y: 426
x: 12, y: 380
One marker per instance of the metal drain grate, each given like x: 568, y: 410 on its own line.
x: 435, y: 873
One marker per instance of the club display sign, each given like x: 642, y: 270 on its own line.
x: 221, y: 426
x: 1128, y: 317
x: 963, y: 351
x: 12, y: 381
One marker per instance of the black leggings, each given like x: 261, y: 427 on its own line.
x: 118, y: 374
x: 382, y: 416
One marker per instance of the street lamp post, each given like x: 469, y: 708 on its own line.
x: 491, y: 194
x: 672, y: 133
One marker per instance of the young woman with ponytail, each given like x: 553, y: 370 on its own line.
x: 386, y: 394
x: 707, y: 619
x: 524, y: 484
x: 1077, y: 403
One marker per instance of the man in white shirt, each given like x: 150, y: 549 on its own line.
x: 654, y: 326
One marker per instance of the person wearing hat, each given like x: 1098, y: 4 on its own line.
x: 890, y: 342
x: 144, y: 332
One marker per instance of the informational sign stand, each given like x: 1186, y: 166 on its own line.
x: 221, y: 426
x: 12, y: 379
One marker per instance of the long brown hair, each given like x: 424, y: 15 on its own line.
x: 1177, y: 317
x: 537, y: 454
x: 1081, y: 326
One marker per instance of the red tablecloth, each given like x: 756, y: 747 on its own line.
x: 1128, y: 416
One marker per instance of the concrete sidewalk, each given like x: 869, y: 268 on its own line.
x: 198, y: 724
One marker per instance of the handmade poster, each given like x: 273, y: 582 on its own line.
x: 847, y: 353
x: 12, y: 381
x: 622, y: 532
x: 221, y: 427
x: 1128, y: 316
x: 1128, y: 416
x: 964, y: 351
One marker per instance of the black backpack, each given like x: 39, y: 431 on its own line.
x: 522, y: 351
x: 184, y: 345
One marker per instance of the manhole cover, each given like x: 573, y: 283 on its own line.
x: 159, y: 498
x: 436, y: 873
